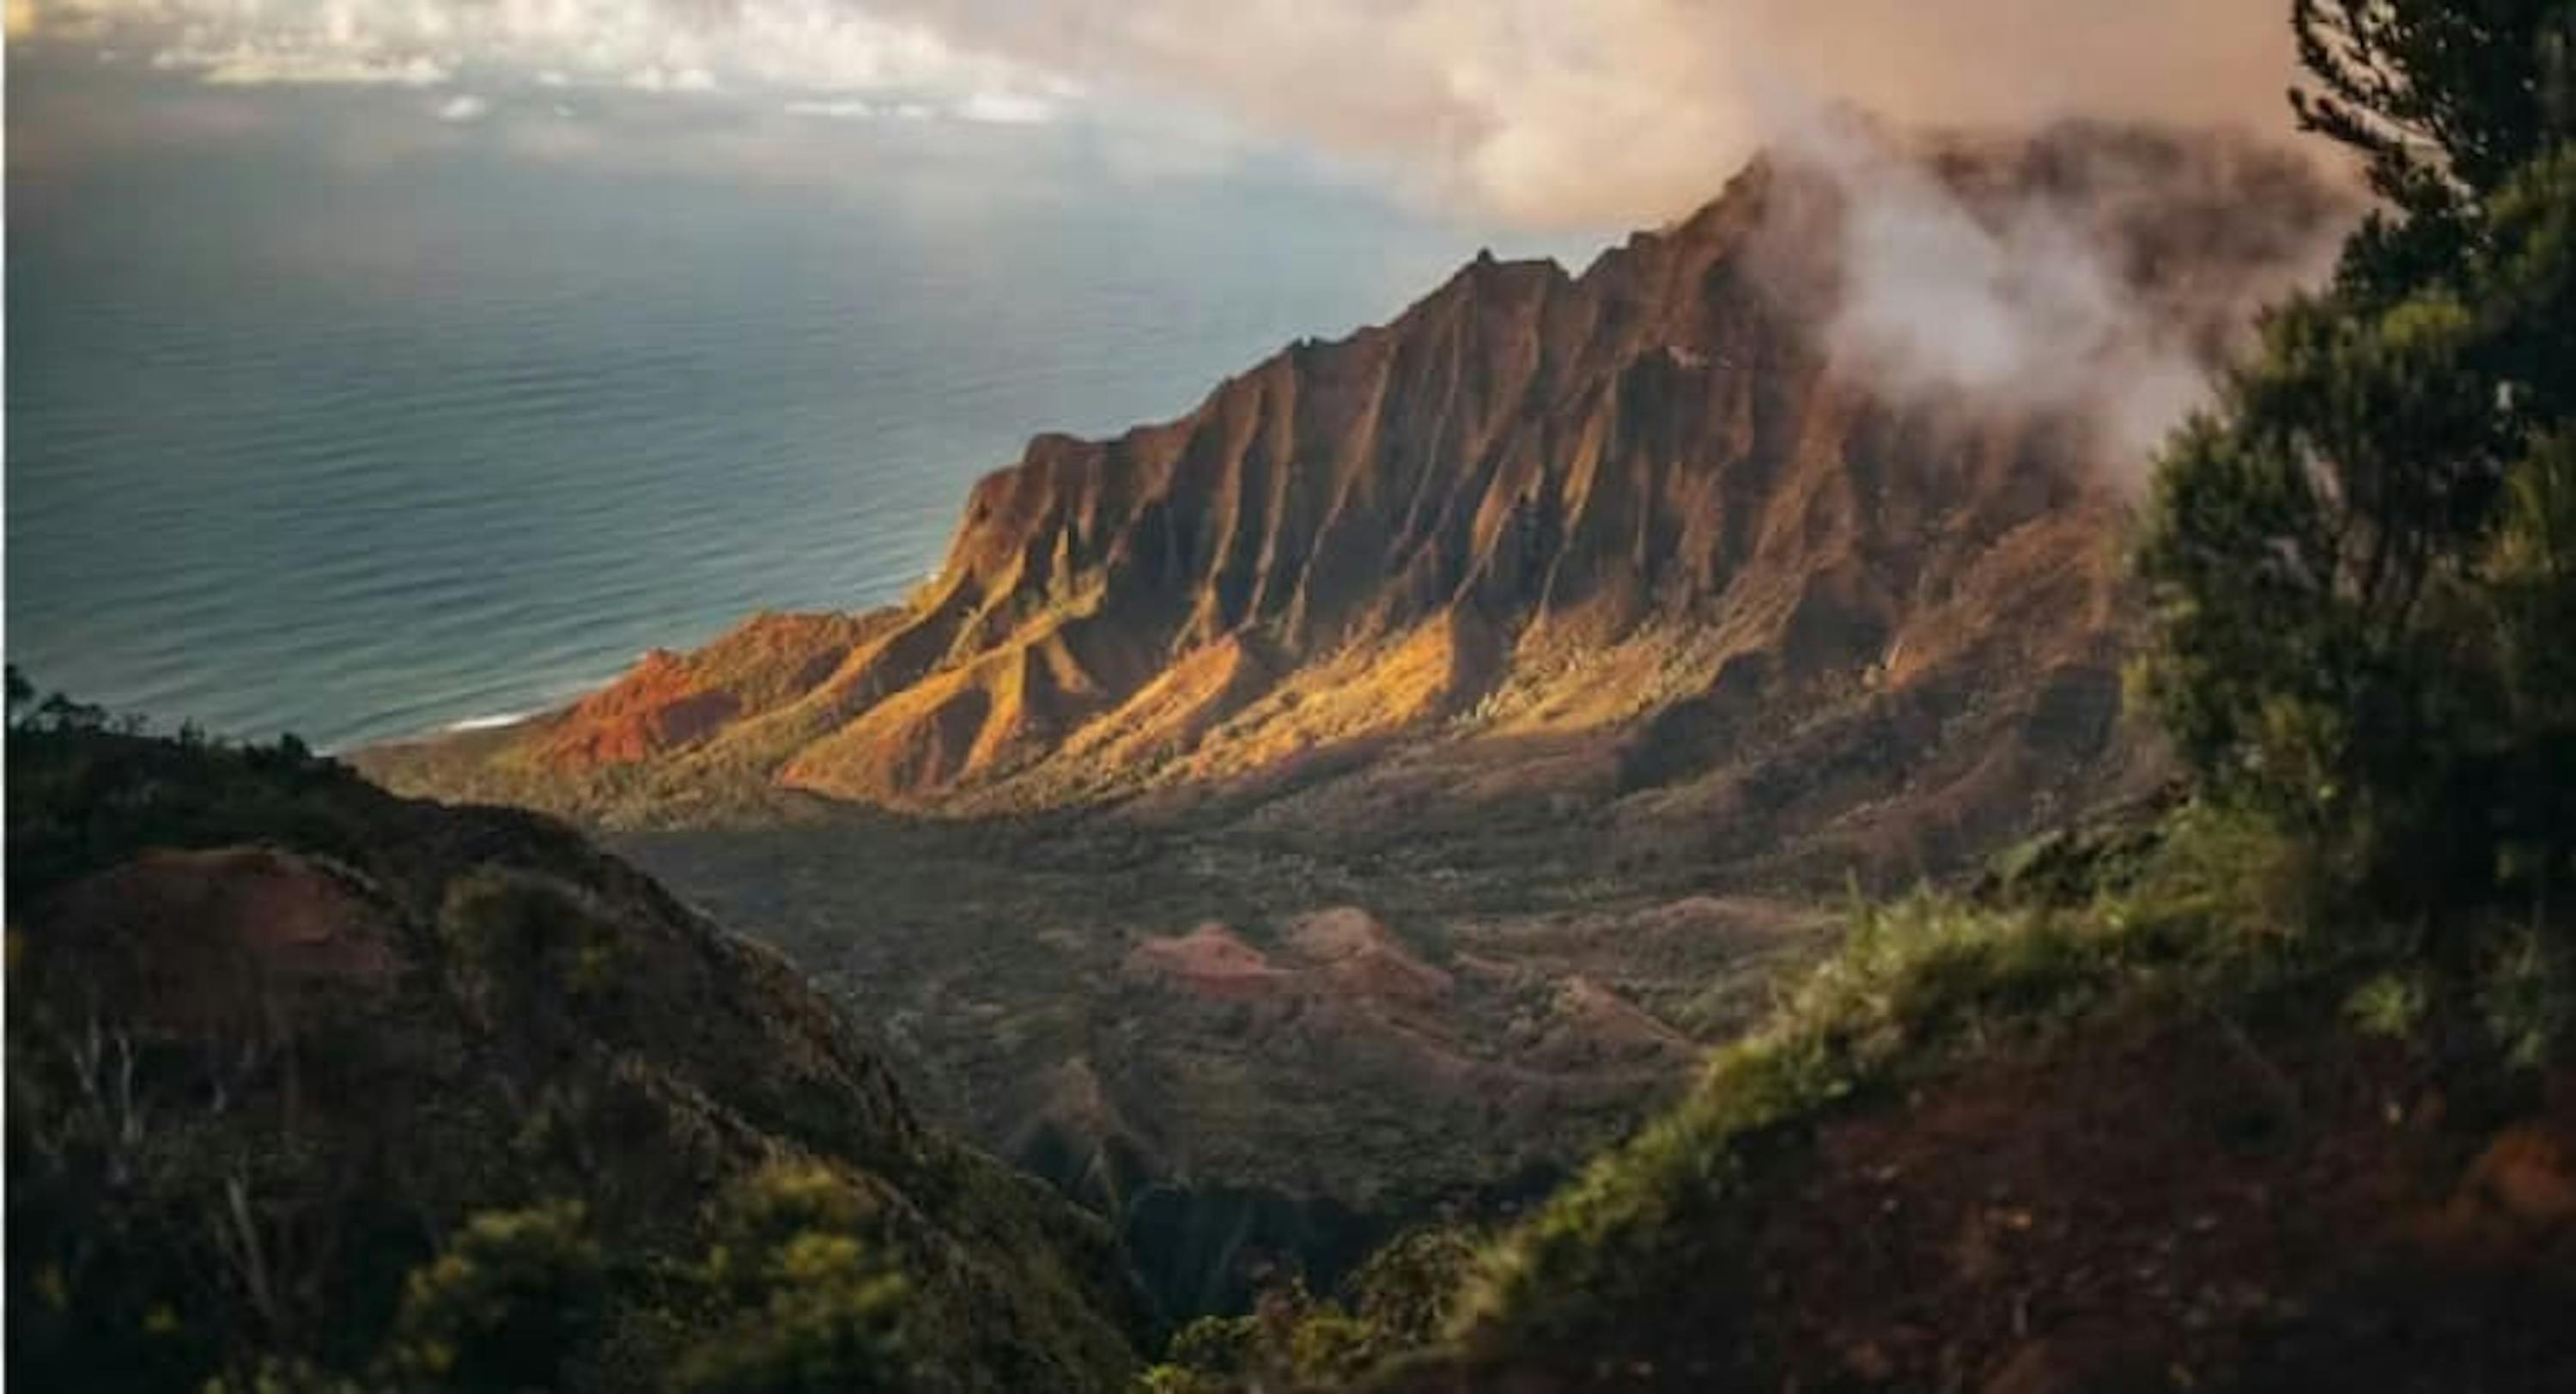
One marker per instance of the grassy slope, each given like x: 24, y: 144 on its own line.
x: 2074, y: 1081
x: 512, y: 1019
x: 2117, y: 1123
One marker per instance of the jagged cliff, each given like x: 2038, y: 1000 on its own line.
x: 1637, y: 538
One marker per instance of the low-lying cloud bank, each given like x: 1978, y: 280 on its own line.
x: 1591, y: 112
x: 2041, y: 278
x: 1573, y: 113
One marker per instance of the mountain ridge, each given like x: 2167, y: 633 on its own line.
x: 1572, y: 535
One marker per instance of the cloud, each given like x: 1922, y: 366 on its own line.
x: 463, y: 108
x: 653, y: 77
x: 2035, y: 286
x: 1006, y: 109
x: 1625, y: 111
x: 839, y: 109
x: 244, y: 65
x: 1548, y: 112
x: 791, y: 48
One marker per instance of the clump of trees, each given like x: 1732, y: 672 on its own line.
x: 1402, y: 1299
x: 2363, y: 561
x: 797, y: 1297
x: 790, y: 1296
x: 512, y: 1295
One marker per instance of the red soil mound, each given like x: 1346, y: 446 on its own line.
x: 239, y: 939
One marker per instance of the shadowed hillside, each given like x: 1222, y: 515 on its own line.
x: 306, y: 1077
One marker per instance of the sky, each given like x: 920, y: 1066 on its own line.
x: 1574, y: 114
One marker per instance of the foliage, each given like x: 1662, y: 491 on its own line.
x: 528, y: 949
x: 808, y: 1303
x: 2391, y: 1004
x: 2211, y: 912
x: 1400, y: 1300
x: 227, y: 1176
x: 2526, y: 991
x: 2194, y: 912
x: 2363, y: 564
x: 511, y: 1299
x: 2437, y: 95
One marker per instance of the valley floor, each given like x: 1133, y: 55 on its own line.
x: 1260, y: 1050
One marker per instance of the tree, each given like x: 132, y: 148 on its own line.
x: 2444, y: 99
x: 807, y: 1303
x: 2361, y: 563
x: 513, y: 1297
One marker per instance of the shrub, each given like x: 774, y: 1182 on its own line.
x: 2363, y: 563
x: 806, y: 1302
x: 513, y: 1296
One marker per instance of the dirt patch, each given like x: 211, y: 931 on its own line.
x: 228, y: 938
x: 1211, y: 960
x: 2129, y: 1215
x: 2167, y: 1204
x: 1363, y: 958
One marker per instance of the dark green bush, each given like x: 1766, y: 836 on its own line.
x: 2363, y: 563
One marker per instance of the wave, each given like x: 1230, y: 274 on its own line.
x: 490, y: 722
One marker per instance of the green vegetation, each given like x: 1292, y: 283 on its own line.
x: 1403, y: 1298
x: 1919, y: 986
x: 313, y: 1088
x: 2364, y: 562
x: 512, y: 1296
x: 2203, y: 915
x: 807, y: 1305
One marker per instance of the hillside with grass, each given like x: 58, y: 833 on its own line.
x: 2126, y: 1116
x: 311, y: 1087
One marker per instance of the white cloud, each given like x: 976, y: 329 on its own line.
x: 1547, y: 111
x: 839, y: 109
x: 245, y: 65
x: 462, y: 108
x: 1626, y: 111
x: 1006, y: 109
x: 821, y: 50
x: 2028, y: 293
x: 653, y: 77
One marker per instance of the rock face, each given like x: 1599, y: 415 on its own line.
x: 1630, y: 536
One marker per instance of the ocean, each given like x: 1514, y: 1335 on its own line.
x: 318, y: 423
